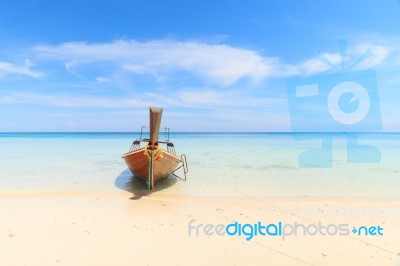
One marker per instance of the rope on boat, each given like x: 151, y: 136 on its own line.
x: 150, y: 180
x: 157, y: 153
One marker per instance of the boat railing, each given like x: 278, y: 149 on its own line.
x: 136, y: 143
x: 183, y: 165
x: 171, y: 148
x: 166, y: 133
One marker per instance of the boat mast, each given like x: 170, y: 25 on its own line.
x: 155, y: 122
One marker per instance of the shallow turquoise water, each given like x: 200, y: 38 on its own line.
x: 220, y: 164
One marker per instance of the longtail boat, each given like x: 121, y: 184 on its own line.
x: 152, y: 162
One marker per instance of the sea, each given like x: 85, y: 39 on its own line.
x: 225, y: 164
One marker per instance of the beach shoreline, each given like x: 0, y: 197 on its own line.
x: 73, y: 202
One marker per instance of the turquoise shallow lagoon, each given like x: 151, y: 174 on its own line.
x: 220, y: 164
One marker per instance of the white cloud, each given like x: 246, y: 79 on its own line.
x: 313, y: 66
x: 203, y: 98
x: 219, y: 63
x: 211, y: 98
x: 182, y: 99
x: 360, y: 56
x: 102, y: 79
x: 7, y: 68
x: 72, y: 101
x: 379, y: 55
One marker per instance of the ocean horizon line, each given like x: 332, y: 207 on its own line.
x: 203, y: 132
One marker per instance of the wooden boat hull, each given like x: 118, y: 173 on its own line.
x: 138, y: 163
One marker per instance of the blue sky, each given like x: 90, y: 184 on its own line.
x: 213, y: 65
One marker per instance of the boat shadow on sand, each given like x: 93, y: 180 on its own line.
x: 126, y: 181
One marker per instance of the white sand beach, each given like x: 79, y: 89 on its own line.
x: 119, y: 228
